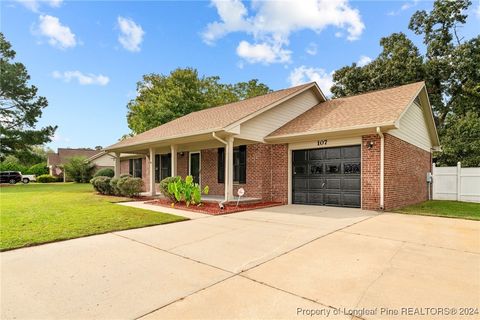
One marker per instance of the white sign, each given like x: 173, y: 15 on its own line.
x: 241, y: 192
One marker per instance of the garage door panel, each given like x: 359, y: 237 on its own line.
x: 352, y: 184
x: 315, y: 197
x: 333, y: 183
x: 300, y: 155
x: 316, y: 154
x: 327, y: 176
x: 351, y: 200
x: 333, y: 199
x: 333, y: 153
x: 314, y: 183
x: 351, y: 152
x: 300, y: 197
x: 300, y: 184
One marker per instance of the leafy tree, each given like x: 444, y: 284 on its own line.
x: 461, y: 141
x: 163, y: 98
x: 450, y: 67
x: 20, y: 107
x: 79, y: 169
x: 399, y: 62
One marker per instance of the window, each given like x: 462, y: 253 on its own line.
x: 163, y: 167
x: 239, y: 165
x: 221, y: 165
x: 135, y: 167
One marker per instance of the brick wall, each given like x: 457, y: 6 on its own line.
x: 406, y: 168
x: 267, y: 175
x: 405, y: 171
x: 371, y: 173
x: 125, y: 169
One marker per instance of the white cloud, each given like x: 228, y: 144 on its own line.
x: 34, y: 5
x: 83, y: 79
x: 477, y: 10
x: 363, y: 61
x: 305, y: 74
x: 272, y: 22
x: 263, y: 53
x: 59, y: 138
x: 405, y: 6
x: 311, y: 49
x: 131, y: 34
x: 58, y: 35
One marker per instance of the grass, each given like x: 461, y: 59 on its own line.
x: 39, y: 213
x: 443, y: 208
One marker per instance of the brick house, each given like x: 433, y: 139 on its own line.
x: 371, y: 150
x: 55, y: 160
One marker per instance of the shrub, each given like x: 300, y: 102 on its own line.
x: 79, y: 169
x: 102, y: 185
x: 38, y: 169
x: 125, y: 175
x: 46, y: 178
x: 11, y: 163
x: 130, y: 187
x: 163, y: 185
x: 186, y: 190
x: 105, y: 172
x: 114, y: 186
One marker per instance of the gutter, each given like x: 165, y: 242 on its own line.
x: 226, y: 184
x: 382, y: 167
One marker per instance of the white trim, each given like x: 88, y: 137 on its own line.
x: 382, y: 168
x: 199, y: 165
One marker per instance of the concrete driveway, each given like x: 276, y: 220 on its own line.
x: 281, y: 262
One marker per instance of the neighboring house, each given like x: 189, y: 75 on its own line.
x: 56, y: 160
x: 371, y: 150
x: 103, y: 160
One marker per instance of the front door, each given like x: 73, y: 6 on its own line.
x: 329, y: 176
x: 194, y: 169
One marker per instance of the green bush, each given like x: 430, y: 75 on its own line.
x: 102, y: 185
x: 46, y: 178
x: 186, y: 190
x: 130, y: 187
x: 163, y: 186
x: 79, y: 169
x: 105, y: 172
x: 114, y: 186
x: 125, y: 175
x: 38, y: 169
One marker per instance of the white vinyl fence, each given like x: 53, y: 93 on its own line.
x: 456, y: 183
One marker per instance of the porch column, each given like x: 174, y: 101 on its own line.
x: 152, y: 170
x: 229, y: 169
x: 117, y: 165
x: 173, y: 150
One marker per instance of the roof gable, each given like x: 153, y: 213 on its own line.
x: 376, y: 108
x: 216, y: 118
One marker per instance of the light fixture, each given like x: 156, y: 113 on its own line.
x: 370, y: 144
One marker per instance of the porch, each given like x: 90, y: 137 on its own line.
x: 217, y: 160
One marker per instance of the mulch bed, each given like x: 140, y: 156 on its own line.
x: 213, y: 208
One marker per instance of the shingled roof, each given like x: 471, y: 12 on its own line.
x: 211, y: 119
x: 374, y: 108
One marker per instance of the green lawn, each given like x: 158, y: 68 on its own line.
x: 39, y: 213
x: 443, y: 208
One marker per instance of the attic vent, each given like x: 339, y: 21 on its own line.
x: 417, y: 101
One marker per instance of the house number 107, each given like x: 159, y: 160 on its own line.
x: 322, y: 142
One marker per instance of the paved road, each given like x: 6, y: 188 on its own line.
x: 278, y: 262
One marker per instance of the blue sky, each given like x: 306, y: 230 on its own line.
x: 86, y: 56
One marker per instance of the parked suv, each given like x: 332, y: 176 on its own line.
x: 11, y: 177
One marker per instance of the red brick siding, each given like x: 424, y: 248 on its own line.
x: 406, y: 168
x: 267, y: 176
x: 182, y: 164
x: 371, y: 173
x: 279, y: 156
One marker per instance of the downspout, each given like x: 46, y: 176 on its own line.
x: 225, y: 154
x: 382, y: 167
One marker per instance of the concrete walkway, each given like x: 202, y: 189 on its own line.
x: 279, y: 262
